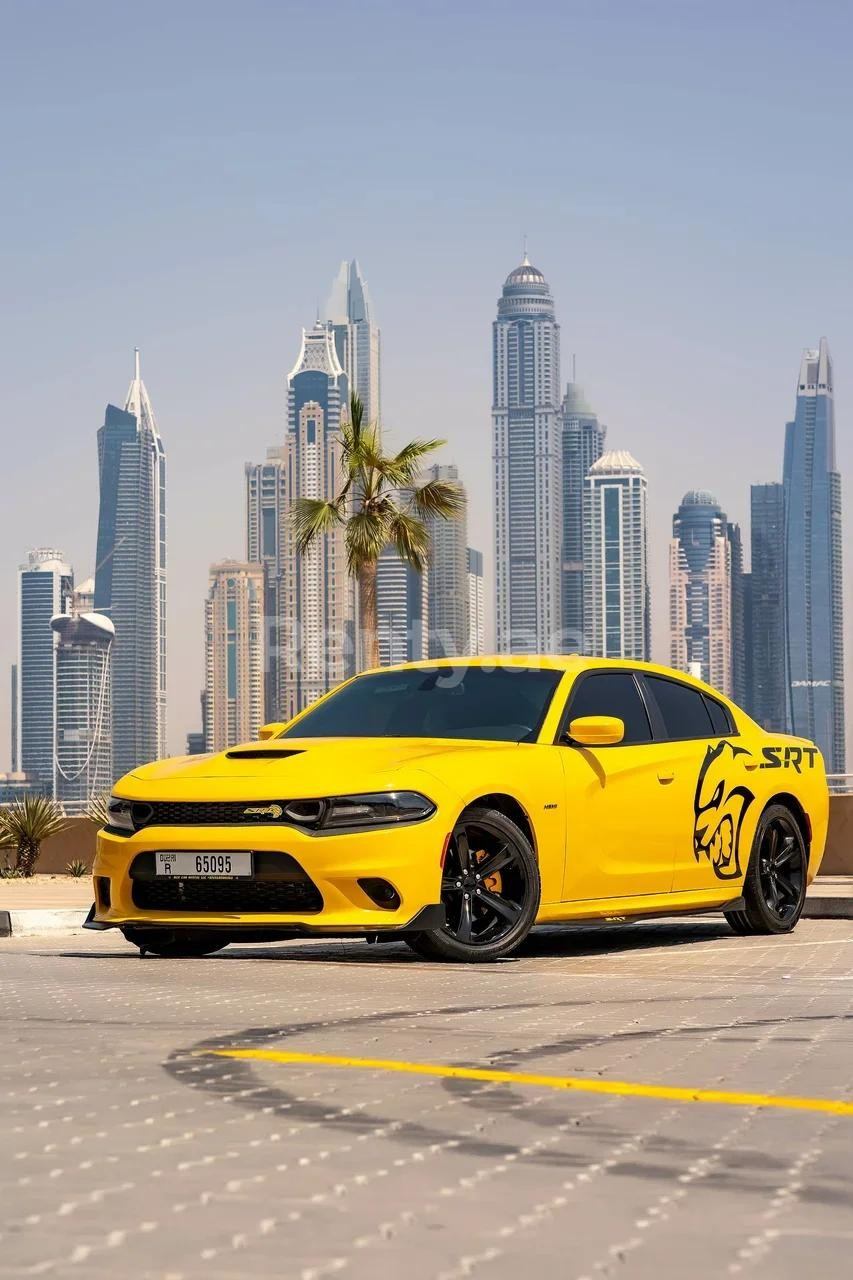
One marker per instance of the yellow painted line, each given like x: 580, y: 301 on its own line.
x: 626, y: 1088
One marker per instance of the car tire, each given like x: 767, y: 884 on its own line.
x: 174, y: 944
x: 490, y: 890
x: 774, y: 888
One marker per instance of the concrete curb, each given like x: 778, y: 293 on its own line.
x: 31, y: 922
x: 828, y: 908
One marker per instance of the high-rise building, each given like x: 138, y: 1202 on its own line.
x: 814, y: 654
x: 527, y: 464
x: 616, y: 580
x: 765, y: 633
x: 266, y: 514
x: 582, y: 438
x: 402, y: 610
x: 13, y: 716
x: 44, y: 583
x: 83, y: 756
x: 234, y: 654
x: 476, y: 604
x: 706, y: 593
x: 317, y: 634
x: 130, y: 574
x: 356, y: 337
x: 448, y: 574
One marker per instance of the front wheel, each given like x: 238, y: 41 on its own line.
x: 774, y: 888
x: 490, y: 889
x: 176, y: 943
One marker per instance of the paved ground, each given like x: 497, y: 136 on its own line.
x: 130, y: 1150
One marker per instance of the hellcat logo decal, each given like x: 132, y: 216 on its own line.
x: 263, y: 811
x: 719, y: 810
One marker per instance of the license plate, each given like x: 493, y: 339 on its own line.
x: 183, y: 865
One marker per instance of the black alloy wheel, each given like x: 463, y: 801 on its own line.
x: 490, y: 889
x: 775, y: 884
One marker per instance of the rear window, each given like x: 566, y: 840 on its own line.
x: 721, y: 721
x: 683, y: 710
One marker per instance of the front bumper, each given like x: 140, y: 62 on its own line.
x: 408, y: 857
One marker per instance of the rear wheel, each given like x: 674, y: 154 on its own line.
x: 176, y: 943
x: 490, y: 889
x: 774, y: 889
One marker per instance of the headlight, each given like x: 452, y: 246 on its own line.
x: 376, y: 809
x: 120, y: 814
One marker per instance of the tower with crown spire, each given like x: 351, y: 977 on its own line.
x: 130, y: 573
x: 527, y: 462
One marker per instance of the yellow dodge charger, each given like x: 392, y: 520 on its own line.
x: 456, y: 804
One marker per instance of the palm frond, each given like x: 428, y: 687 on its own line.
x: 311, y: 518
x: 442, y: 498
x: 402, y: 468
x: 367, y: 534
x: 410, y: 538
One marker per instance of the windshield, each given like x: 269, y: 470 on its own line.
x: 505, y: 704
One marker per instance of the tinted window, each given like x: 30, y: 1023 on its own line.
x: 682, y: 709
x: 612, y: 693
x: 721, y: 721
x: 507, y: 704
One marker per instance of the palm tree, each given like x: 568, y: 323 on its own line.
x: 24, y: 824
x: 380, y: 504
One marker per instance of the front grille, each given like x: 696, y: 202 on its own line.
x: 278, y: 885
x: 206, y: 813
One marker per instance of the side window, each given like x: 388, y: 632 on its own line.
x: 683, y: 710
x: 721, y: 721
x: 611, y: 693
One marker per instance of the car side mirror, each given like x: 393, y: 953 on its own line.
x: 271, y: 730
x: 595, y: 731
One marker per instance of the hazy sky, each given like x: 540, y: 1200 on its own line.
x: 186, y: 177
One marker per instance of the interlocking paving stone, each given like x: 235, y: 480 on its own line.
x: 126, y: 1152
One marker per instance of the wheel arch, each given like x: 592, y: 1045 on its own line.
x: 511, y: 808
x: 798, y: 812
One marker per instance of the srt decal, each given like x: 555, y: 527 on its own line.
x: 796, y: 758
x: 719, y: 810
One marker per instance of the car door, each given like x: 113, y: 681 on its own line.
x: 614, y: 794
x: 708, y: 792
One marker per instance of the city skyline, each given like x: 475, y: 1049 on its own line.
x: 687, y: 299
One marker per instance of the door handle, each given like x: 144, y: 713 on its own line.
x: 664, y: 777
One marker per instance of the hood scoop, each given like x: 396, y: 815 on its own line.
x: 261, y: 753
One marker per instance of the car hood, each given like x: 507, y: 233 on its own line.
x: 299, y: 767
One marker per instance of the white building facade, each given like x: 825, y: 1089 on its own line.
x: 234, y: 654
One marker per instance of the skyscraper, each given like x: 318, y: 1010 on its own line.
x: 814, y: 649
x: 316, y: 639
x: 476, y: 604
x: 44, y: 583
x: 527, y: 464
x: 234, y: 654
x: 616, y: 582
x: 448, y: 575
x: 582, y: 445
x: 356, y: 337
x: 130, y: 574
x: 266, y: 515
x: 705, y: 593
x: 765, y: 638
x: 402, y: 610
x: 83, y: 757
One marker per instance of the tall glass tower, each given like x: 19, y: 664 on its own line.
x: 705, y: 601
x: 448, y: 575
x: 356, y: 337
x: 130, y: 574
x: 44, y: 584
x: 616, y: 573
x: 582, y: 445
x: 527, y: 464
x: 765, y: 642
x: 814, y: 631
